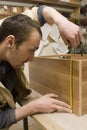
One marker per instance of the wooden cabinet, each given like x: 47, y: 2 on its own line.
x: 69, y: 8
x: 63, y: 75
x: 9, y: 10
x: 72, y: 7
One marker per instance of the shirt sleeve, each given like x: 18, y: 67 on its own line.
x: 36, y: 13
x: 7, y: 118
x: 40, y: 15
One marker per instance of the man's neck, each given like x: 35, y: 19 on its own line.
x: 2, y: 53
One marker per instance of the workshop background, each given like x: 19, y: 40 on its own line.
x: 51, y: 43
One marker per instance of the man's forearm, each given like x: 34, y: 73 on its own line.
x: 52, y: 16
x: 44, y: 104
x: 70, y: 32
x: 26, y: 110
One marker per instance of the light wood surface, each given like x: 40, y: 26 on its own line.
x: 57, y: 121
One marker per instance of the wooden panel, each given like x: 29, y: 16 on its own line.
x: 75, y: 1
x: 84, y: 87
x: 75, y: 88
x: 52, y: 74
x: 46, y: 2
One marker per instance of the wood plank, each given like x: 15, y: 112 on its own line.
x: 50, y: 75
x: 57, y: 120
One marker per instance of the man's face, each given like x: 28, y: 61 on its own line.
x: 25, y: 52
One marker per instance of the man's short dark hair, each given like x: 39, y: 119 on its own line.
x: 20, y: 26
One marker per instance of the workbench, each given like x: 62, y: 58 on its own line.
x: 56, y: 120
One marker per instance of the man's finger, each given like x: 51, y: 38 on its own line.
x: 63, y: 109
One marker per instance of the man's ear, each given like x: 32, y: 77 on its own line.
x: 10, y: 40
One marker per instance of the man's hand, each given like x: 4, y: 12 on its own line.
x: 48, y: 103
x: 45, y: 104
x: 69, y: 31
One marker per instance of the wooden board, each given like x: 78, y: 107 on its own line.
x: 52, y: 74
x: 57, y: 120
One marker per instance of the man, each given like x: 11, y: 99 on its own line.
x: 19, y: 39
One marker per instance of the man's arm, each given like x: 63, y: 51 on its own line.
x: 7, y: 118
x: 69, y: 31
x: 45, y: 104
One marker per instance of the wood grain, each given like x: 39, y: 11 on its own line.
x: 52, y: 74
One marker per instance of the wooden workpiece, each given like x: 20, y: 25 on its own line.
x: 56, y: 120
x: 55, y: 74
